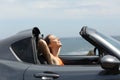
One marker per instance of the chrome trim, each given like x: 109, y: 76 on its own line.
x: 15, y: 55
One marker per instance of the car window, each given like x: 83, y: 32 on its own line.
x: 23, y: 49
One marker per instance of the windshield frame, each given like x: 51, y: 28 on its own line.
x: 101, y: 41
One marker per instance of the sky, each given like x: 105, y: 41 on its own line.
x: 63, y: 18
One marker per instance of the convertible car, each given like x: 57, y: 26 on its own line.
x: 19, y: 59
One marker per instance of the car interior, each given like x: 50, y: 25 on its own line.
x: 68, y: 59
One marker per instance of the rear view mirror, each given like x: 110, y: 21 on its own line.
x: 109, y: 62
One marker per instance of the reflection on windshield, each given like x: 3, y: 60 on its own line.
x: 111, y: 40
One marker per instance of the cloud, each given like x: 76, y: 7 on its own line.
x: 17, y: 9
x: 94, y: 7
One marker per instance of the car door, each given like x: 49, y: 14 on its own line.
x: 12, y: 70
x: 81, y: 72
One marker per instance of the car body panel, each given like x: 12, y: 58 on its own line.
x: 11, y: 70
x: 83, y: 72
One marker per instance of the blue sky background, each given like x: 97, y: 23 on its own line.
x: 64, y: 18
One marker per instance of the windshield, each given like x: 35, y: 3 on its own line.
x: 111, y: 40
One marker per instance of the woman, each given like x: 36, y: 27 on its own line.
x: 52, y: 47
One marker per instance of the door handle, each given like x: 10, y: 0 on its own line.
x: 46, y: 76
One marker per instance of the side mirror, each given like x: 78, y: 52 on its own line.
x: 109, y: 62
